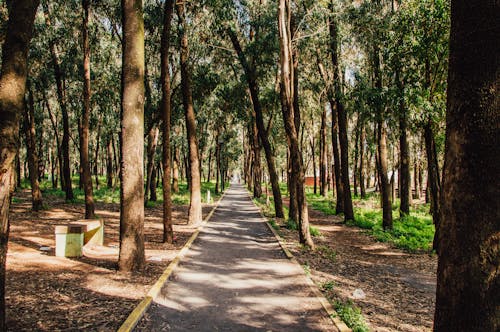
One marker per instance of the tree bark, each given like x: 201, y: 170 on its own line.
x: 361, y: 170
x: 404, y: 153
x: 290, y: 118
x: 257, y: 167
x: 342, y: 120
x: 195, y: 213
x: 29, y: 120
x: 131, y: 256
x: 175, y: 170
x: 468, y: 280
x: 12, y: 89
x: 250, y: 75
x: 324, y: 162
x: 152, y: 143
x: 109, y: 163
x: 168, y: 231
x: 313, y: 155
x: 61, y: 97
x: 85, y: 163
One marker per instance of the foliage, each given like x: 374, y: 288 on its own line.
x: 351, y: 315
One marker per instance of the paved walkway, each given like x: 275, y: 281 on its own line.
x: 235, y: 277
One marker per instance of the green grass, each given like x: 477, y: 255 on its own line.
x: 324, y: 204
x: 328, y: 253
x: 351, y: 315
x: 112, y: 195
x: 413, y: 233
x: 328, y: 285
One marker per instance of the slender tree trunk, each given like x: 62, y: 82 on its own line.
x: 342, y: 121
x: 175, y: 170
x: 12, y: 89
x: 404, y: 154
x: 382, y: 148
x: 29, y: 120
x: 195, y: 213
x: 339, y: 187
x: 209, y: 172
x: 313, y: 150
x: 257, y: 167
x: 323, y: 154
x: 61, y: 96
x: 97, y: 147
x: 168, y: 231
x: 58, y: 141
x: 85, y: 163
x: 152, y: 143
x: 361, y: 170
x: 355, y: 172
x: 109, y: 163
x: 131, y: 256
x: 468, y: 279
x: 290, y: 117
x: 253, y: 86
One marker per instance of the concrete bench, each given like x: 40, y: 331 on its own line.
x: 71, y: 238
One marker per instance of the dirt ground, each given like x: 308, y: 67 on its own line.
x: 48, y: 293
x: 399, y: 287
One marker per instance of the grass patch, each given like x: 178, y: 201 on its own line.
x: 351, y: 315
x: 314, y: 231
x: 274, y: 225
x: 324, y: 204
x: 328, y: 285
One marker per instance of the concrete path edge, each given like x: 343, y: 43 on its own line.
x: 136, y: 315
x: 321, y: 298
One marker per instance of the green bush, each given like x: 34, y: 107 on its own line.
x: 351, y: 315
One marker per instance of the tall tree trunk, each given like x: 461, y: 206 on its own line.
x: 355, y: 172
x: 12, y: 89
x: 404, y: 154
x: 342, y: 120
x: 324, y: 162
x: 313, y: 155
x: 195, y: 213
x: 58, y: 141
x: 61, y: 97
x: 468, y: 280
x: 361, y: 170
x: 382, y: 147
x: 152, y: 143
x: 109, y: 163
x: 96, y: 158
x: 131, y: 256
x: 85, y: 163
x: 29, y: 120
x: 166, y: 111
x: 175, y: 170
x: 250, y: 75
x: 290, y: 117
x: 257, y: 168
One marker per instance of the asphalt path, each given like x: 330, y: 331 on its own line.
x: 235, y: 277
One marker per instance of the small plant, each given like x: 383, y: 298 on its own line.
x: 328, y: 285
x: 328, y: 253
x: 291, y: 224
x: 274, y: 225
x: 314, y: 231
x: 351, y: 315
x: 307, y: 269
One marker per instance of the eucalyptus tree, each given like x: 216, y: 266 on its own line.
x: 13, y: 75
x: 195, y: 212
x: 287, y: 91
x: 468, y: 281
x: 84, y: 134
x: 131, y: 257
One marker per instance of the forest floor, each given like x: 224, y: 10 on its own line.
x: 48, y: 293
x: 394, y: 289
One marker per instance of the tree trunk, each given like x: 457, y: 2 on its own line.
x: 468, y: 280
x: 324, y: 162
x: 290, y: 118
x: 29, y: 120
x: 131, y: 256
x: 404, y: 154
x: 96, y: 158
x: 109, y: 163
x: 355, y: 172
x: 166, y: 111
x: 12, y: 90
x: 361, y: 169
x: 342, y: 120
x: 85, y: 163
x: 313, y: 150
x: 61, y: 97
x: 339, y: 187
x: 152, y: 143
x: 195, y: 213
x: 250, y: 75
x: 257, y: 168
x: 175, y: 170
x: 58, y: 141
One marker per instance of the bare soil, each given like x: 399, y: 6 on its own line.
x: 399, y: 286
x: 49, y: 293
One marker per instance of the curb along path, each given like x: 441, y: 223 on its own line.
x: 235, y: 277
